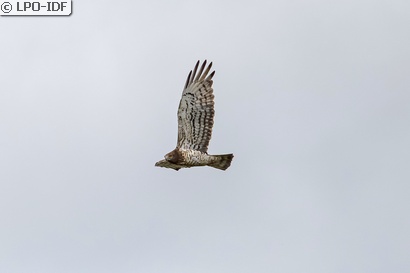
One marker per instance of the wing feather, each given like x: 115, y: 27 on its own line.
x: 196, y: 110
x: 200, y: 71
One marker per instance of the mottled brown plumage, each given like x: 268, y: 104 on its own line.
x: 195, y: 121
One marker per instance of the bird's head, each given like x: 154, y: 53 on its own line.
x: 172, y: 157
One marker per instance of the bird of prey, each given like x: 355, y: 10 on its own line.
x: 195, y: 121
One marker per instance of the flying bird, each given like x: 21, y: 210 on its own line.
x: 195, y: 121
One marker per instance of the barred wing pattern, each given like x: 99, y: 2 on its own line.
x: 196, y: 110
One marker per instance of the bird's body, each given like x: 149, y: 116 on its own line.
x: 195, y: 121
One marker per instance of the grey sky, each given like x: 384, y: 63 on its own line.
x: 312, y: 97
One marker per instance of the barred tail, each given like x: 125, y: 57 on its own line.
x: 222, y: 162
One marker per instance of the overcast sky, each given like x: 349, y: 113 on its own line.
x: 312, y: 97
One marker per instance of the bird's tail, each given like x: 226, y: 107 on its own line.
x: 222, y: 162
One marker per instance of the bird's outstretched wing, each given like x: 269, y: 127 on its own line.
x: 196, y: 110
